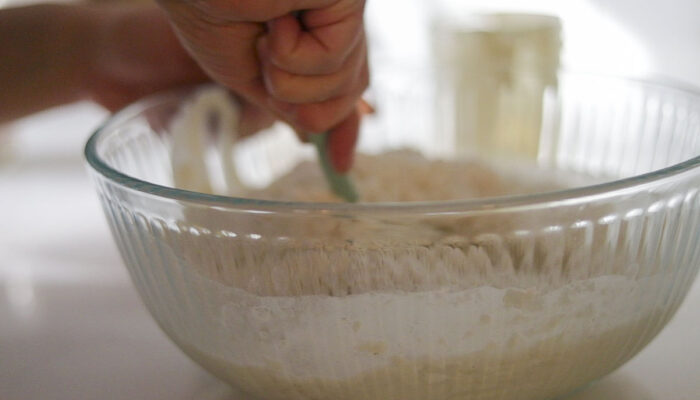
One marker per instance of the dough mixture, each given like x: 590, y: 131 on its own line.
x: 377, y: 308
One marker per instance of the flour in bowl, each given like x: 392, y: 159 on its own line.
x: 402, y: 176
x: 460, y: 306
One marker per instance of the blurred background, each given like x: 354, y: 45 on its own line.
x: 68, y: 315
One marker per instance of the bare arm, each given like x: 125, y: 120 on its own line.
x: 43, y: 58
x: 57, y: 54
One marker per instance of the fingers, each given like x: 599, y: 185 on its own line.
x: 341, y: 142
x: 227, y: 53
x: 322, y: 116
x: 314, y: 65
x: 309, y: 67
x: 295, y: 67
x: 314, y: 49
x: 286, y: 86
x: 340, y: 116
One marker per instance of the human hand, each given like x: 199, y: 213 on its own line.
x: 304, y: 59
x: 58, y: 54
x: 134, y: 53
x: 137, y: 53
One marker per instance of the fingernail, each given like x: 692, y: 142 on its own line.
x: 365, y: 108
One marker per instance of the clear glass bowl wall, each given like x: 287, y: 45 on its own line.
x: 526, y: 297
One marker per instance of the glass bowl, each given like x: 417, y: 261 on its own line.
x: 518, y: 297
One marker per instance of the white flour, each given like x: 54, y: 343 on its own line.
x: 484, y: 342
x: 410, y: 310
x: 369, y: 331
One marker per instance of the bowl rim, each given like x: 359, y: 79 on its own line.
x: 569, y: 196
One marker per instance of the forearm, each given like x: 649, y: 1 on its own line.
x: 44, y: 52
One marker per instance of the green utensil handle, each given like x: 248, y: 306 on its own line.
x: 340, y: 184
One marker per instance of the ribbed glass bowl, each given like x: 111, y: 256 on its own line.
x: 523, y: 297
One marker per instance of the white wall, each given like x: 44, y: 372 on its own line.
x: 627, y: 37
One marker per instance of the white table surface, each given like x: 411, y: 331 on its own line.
x: 72, y: 326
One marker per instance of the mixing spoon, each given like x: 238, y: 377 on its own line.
x: 340, y: 184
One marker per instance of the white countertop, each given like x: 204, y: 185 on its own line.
x: 72, y: 326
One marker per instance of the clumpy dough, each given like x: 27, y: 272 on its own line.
x: 396, y: 176
x: 405, y: 176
